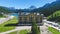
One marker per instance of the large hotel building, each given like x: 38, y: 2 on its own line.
x: 28, y: 18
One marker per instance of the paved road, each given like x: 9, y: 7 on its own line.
x: 17, y: 29
x: 44, y: 29
x: 52, y: 24
x: 2, y: 20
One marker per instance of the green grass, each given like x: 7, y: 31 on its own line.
x: 24, y: 31
x: 54, y: 31
x: 3, y: 28
x: 13, y: 32
x: 56, y: 17
x: 2, y: 16
x: 21, y: 32
x: 54, y: 14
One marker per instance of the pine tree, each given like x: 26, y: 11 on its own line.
x: 35, y: 29
x: 39, y: 29
x: 55, y: 15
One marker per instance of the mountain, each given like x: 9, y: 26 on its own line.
x: 28, y: 9
x: 48, y: 8
x: 4, y: 9
x: 32, y: 7
x: 12, y: 10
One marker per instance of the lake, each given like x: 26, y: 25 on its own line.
x: 14, y: 14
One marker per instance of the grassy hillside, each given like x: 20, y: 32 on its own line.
x: 4, y: 28
x: 54, y: 17
x: 54, y: 31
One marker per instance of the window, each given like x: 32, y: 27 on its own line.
x: 30, y: 19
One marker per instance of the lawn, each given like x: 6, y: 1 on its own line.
x: 21, y: 32
x: 3, y: 28
x: 54, y: 31
x: 2, y: 16
x: 13, y: 32
x: 24, y: 31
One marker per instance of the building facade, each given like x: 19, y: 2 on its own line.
x: 28, y: 18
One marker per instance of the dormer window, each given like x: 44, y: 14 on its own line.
x: 26, y: 13
x: 38, y: 14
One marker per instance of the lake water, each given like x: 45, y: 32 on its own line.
x: 14, y: 14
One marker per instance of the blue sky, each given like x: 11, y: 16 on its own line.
x: 24, y: 3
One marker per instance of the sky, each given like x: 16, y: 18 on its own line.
x: 21, y: 4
